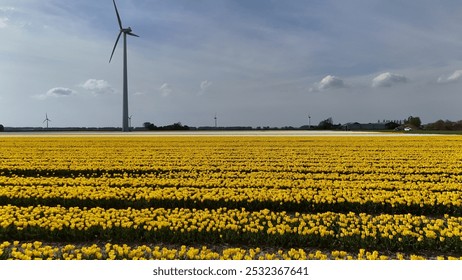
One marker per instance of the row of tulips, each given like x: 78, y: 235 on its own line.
x: 232, y: 226
x: 235, y: 179
x: 43, y: 251
x: 288, y: 199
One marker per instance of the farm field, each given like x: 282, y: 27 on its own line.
x: 231, y: 197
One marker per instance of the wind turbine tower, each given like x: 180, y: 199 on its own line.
x: 125, y: 32
x: 47, y: 120
x: 216, y: 124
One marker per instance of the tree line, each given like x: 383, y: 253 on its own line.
x: 175, y: 126
x: 445, y: 125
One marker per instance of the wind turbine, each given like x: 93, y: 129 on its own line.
x: 125, y: 32
x: 130, y: 121
x: 46, y: 119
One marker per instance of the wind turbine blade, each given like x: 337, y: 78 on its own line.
x: 132, y: 34
x: 118, y: 16
x: 115, y: 46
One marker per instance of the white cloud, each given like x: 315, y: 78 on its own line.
x: 388, y: 79
x: 6, y: 9
x: 204, y: 86
x: 3, y: 22
x: 454, y: 77
x: 98, y: 86
x: 328, y: 82
x: 165, y: 89
x: 56, y: 92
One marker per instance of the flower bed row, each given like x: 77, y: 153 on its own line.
x: 409, y: 233
x: 37, y: 250
x: 309, y: 200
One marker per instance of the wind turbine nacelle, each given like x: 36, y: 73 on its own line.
x: 126, y: 30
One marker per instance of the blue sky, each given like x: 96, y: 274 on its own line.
x: 252, y: 62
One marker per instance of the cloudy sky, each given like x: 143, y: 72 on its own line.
x: 251, y: 62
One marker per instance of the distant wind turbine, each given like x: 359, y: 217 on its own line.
x: 130, y: 121
x: 125, y: 31
x: 46, y: 119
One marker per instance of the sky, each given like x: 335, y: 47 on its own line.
x: 249, y: 62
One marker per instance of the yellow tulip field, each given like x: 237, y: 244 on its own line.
x: 231, y: 197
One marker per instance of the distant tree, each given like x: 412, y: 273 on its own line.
x: 326, y: 124
x: 149, y: 126
x: 444, y: 125
x: 391, y: 125
x: 414, y: 121
x: 179, y: 126
x: 438, y: 125
x: 458, y: 125
x: 2, y: 128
